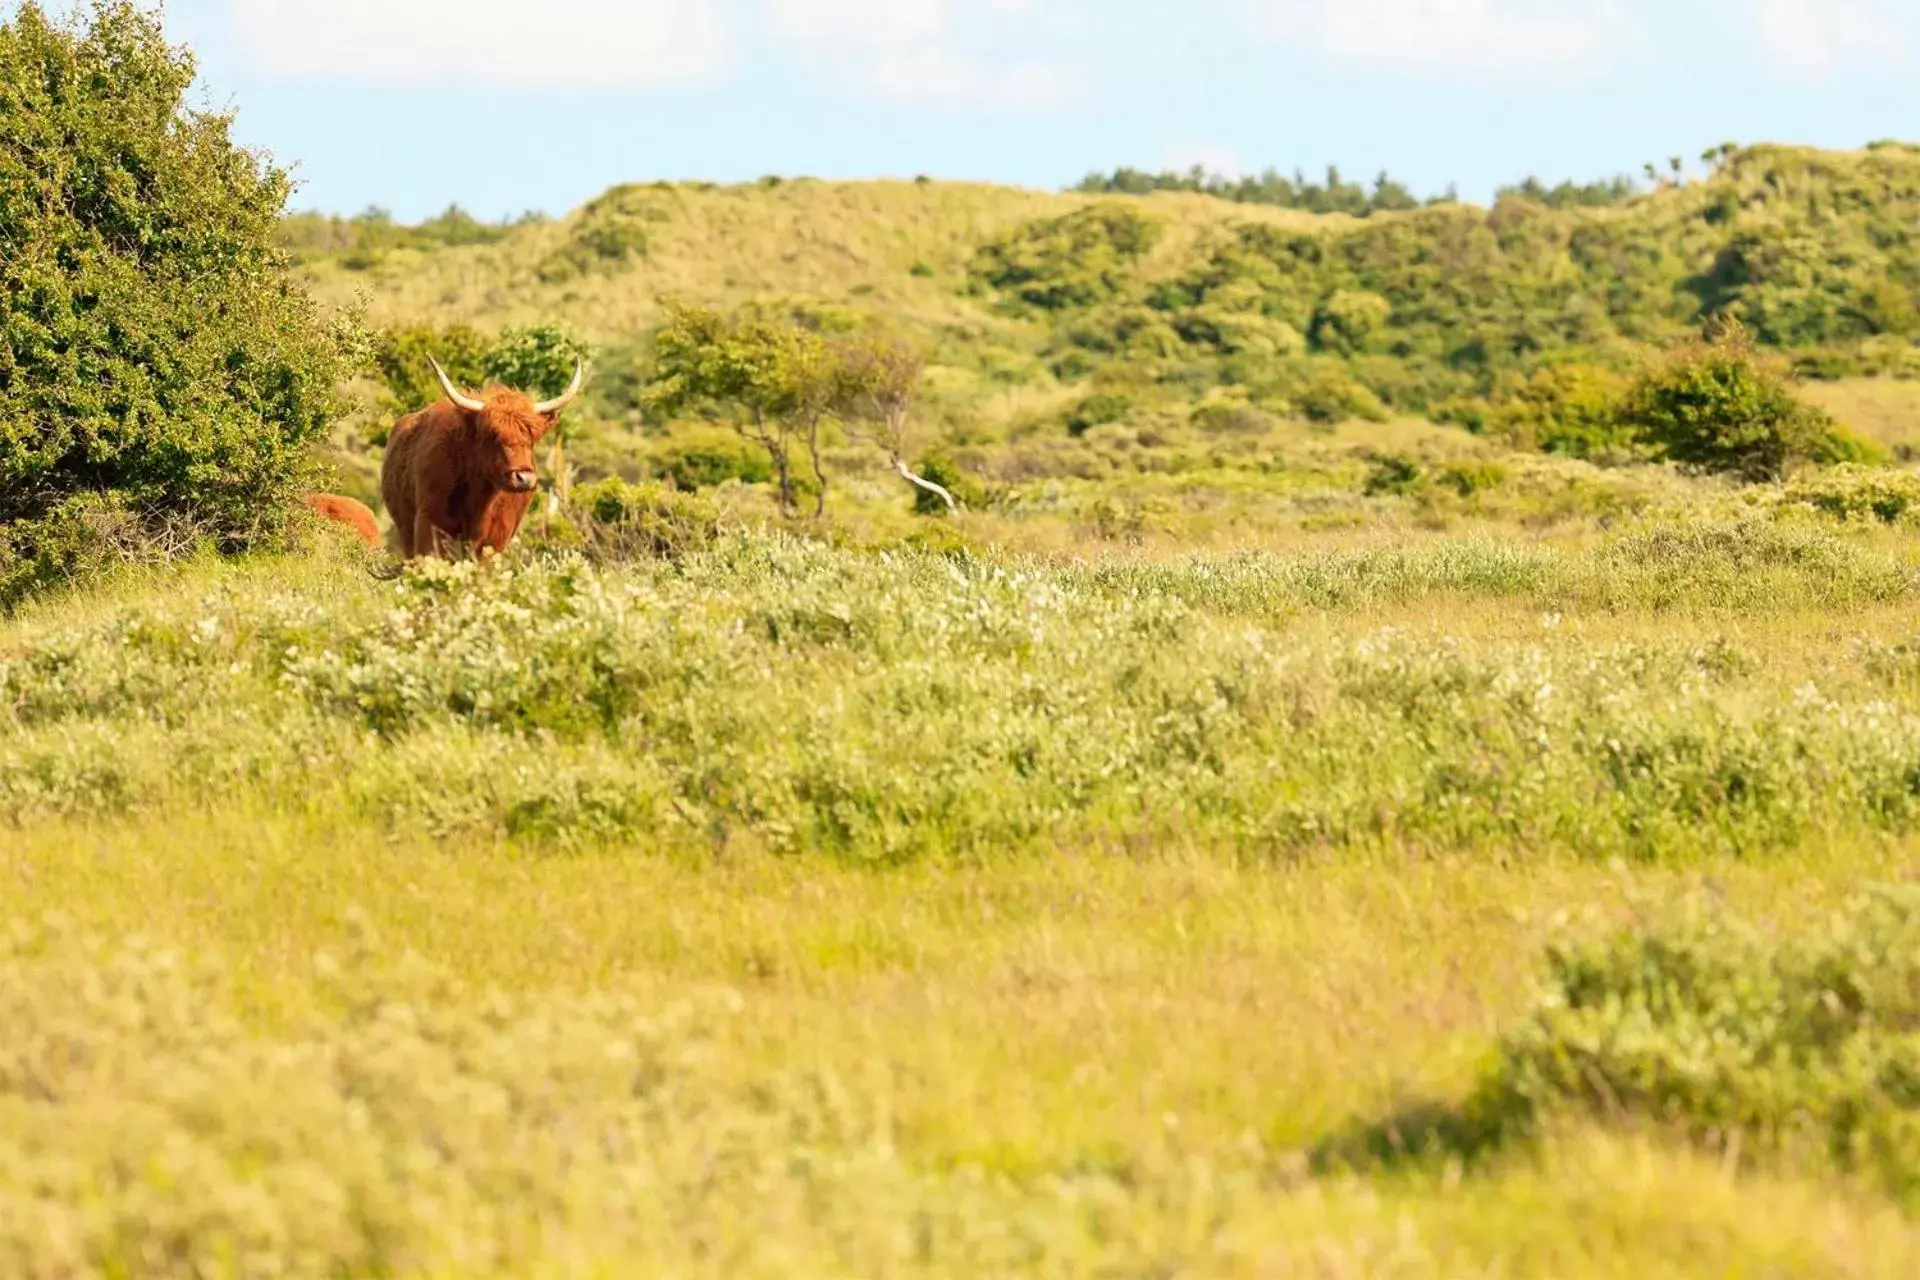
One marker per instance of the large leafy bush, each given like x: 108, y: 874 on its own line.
x: 153, y: 347
x: 1719, y: 406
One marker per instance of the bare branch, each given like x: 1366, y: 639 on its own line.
x: 906, y: 473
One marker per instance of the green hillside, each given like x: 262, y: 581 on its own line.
x: 1122, y: 349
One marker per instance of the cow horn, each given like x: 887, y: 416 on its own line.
x: 454, y: 394
x: 567, y: 398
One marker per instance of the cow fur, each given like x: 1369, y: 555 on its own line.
x: 449, y: 474
x: 345, y: 511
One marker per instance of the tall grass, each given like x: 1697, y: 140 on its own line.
x: 784, y: 695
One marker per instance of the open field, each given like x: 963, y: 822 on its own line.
x: 781, y: 909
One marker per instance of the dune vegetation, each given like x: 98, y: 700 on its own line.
x: 1402, y: 758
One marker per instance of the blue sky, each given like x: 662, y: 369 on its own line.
x: 506, y: 105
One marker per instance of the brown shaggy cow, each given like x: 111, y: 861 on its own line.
x: 462, y: 470
x: 355, y: 516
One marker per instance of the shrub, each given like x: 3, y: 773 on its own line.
x: 1853, y: 492
x: 702, y: 459
x: 1719, y: 406
x: 85, y: 536
x: 1469, y: 478
x: 1075, y: 260
x: 1097, y: 410
x: 610, y: 240
x: 152, y: 342
x: 1571, y: 409
x: 1729, y: 1035
x: 945, y: 472
x: 1718, y: 1028
x: 1346, y: 322
x: 1392, y: 473
x: 1239, y: 333
x: 400, y: 358
x: 1330, y: 395
x: 1223, y: 418
x: 624, y: 520
x: 539, y: 360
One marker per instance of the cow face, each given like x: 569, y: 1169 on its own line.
x: 507, y: 431
x: 506, y: 425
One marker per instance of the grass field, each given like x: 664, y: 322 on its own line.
x: 786, y: 908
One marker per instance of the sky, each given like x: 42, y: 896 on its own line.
x: 506, y: 106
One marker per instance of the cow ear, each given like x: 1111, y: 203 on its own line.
x: 546, y: 422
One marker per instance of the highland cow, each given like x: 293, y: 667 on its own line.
x: 345, y: 511
x: 462, y: 471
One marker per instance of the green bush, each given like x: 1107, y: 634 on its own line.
x: 152, y: 342
x: 1854, y: 492
x: 1075, y: 260
x: 1728, y: 1035
x: 945, y: 472
x: 82, y: 538
x: 1098, y: 410
x: 400, y: 358
x: 1238, y: 333
x: 1469, y: 478
x: 1393, y: 473
x: 539, y: 360
x: 1346, y: 323
x: 1572, y: 409
x: 1719, y: 1028
x: 1719, y: 406
x: 610, y: 241
x: 624, y: 520
x: 1330, y: 395
x: 1225, y: 418
x: 703, y: 459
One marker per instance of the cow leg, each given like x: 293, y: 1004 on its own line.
x: 426, y: 536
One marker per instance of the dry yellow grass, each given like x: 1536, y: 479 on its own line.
x: 1080, y: 1064
x: 1885, y: 410
x: 839, y: 242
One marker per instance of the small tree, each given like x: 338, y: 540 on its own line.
x: 400, y: 358
x: 771, y: 381
x: 879, y: 377
x: 1719, y: 406
x: 539, y: 361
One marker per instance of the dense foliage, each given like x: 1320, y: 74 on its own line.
x: 538, y: 360
x: 985, y: 703
x: 154, y: 352
x: 1427, y: 308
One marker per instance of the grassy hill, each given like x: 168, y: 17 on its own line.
x: 1813, y: 249
x: 1150, y: 352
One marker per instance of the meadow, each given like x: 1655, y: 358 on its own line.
x: 1404, y: 761
x: 800, y: 904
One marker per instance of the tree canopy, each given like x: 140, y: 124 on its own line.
x: 153, y: 345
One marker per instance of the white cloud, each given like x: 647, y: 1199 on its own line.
x: 556, y: 44
x: 1513, y: 37
x: 1817, y: 37
x: 921, y: 50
